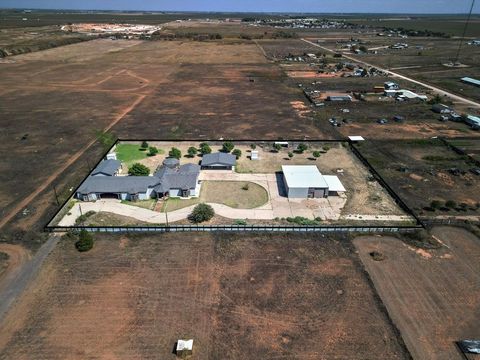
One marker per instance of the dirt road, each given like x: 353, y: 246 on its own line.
x: 403, y: 77
x: 24, y: 203
x: 433, y: 297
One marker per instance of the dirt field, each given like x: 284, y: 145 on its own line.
x: 138, y: 89
x: 420, y: 171
x: 238, y: 298
x: 432, y: 296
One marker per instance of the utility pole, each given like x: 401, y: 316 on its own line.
x: 462, y: 39
x: 80, y: 208
x: 56, y: 195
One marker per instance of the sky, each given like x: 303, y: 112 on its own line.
x: 318, y: 6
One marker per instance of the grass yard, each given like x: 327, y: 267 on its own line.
x: 233, y: 194
x: 128, y: 153
x: 230, y: 193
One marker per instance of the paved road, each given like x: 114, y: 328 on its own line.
x: 17, y: 284
x: 395, y: 74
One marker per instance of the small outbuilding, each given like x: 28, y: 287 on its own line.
x: 218, y: 161
x: 441, y: 109
x: 107, y: 168
x: 184, y: 348
x: 254, y: 155
x: 306, y: 181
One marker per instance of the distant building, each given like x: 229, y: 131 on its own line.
x: 473, y: 121
x: 390, y: 85
x: 306, y: 181
x: 339, y: 98
x: 254, y: 155
x: 107, y: 168
x: 184, y: 348
x: 471, y: 81
x: 441, y: 109
x: 218, y: 161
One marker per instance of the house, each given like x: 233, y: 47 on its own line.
x: 390, y: 85
x: 218, y: 161
x: 441, y: 109
x: 181, y: 181
x: 109, y: 167
x: 473, y: 121
x: 306, y: 181
x: 339, y: 98
x: 471, y: 81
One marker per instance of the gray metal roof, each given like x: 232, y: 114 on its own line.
x: 107, y: 167
x: 185, y: 177
x: 117, y: 184
x: 219, y: 158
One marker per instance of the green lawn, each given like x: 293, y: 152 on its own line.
x: 128, y: 153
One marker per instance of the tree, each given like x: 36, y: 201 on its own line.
x: 253, y: 146
x: 277, y: 147
x: 192, y: 151
x: 205, y: 148
x: 237, y: 153
x: 138, y: 169
x: 152, y: 151
x: 85, y: 241
x: 301, y: 147
x: 202, y: 212
x: 436, y: 204
x: 227, y: 146
x: 144, y: 145
x: 316, y: 154
x: 175, y: 153
x: 290, y: 154
x: 363, y: 49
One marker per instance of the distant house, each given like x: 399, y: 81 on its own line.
x: 107, y: 168
x: 473, y: 121
x: 181, y: 181
x: 218, y: 161
x: 390, y: 85
x: 339, y: 98
x: 471, y: 81
x: 306, y: 181
x: 441, y: 109
x: 455, y: 117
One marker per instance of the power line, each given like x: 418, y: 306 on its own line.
x: 462, y: 40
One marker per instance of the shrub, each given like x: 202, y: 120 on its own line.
x: 253, y: 146
x: 175, y: 153
x: 245, y: 187
x: 277, y: 147
x: 144, y: 146
x: 205, y: 148
x: 138, y: 169
x: 202, y: 212
x: 227, y: 146
x: 451, y: 204
x: 192, y: 151
x: 377, y: 256
x: 300, y: 220
x: 152, y: 151
x: 85, y: 241
x: 436, y: 204
x: 240, y: 222
x: 316, y: 154
x: 326, y: 148
x: 237, y: 153
x: 301, y: 147
x: 290, y: 154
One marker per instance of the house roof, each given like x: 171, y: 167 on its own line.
x: 219, y: 158
x: 471, y: 80
x: 117, y: 184
x: 334, y: 183
x: 107, y: 167
x: 303, y: 176
x: 185, y: 177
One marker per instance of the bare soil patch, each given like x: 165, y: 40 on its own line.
x: 433, y: 296
x: 238, y: 298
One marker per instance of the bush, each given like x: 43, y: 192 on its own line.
x: 205, y: 148
x: 82, y: 218
x: 240, y: 222
x: 316, y: 154
x: 253, y: 146
x: 245, y: 187
x: 326, y: 148
x: 377, y: 256
x: 301, y: 147
x: 436, y: 204
x: 144, y: 146
x: 192, y: 151
x: 202, y: 212
x: 237, y: 153
x: 138, y: 169
x: 290, y: 154
x: 227, y: 146
x: 85, y: 241
x: 152, y: 151
x: 175, y: 153
x: 300, y: 220
x: 277, y: 147
x: 451, y: 204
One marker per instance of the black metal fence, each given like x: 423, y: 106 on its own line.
x: 235, y: 228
